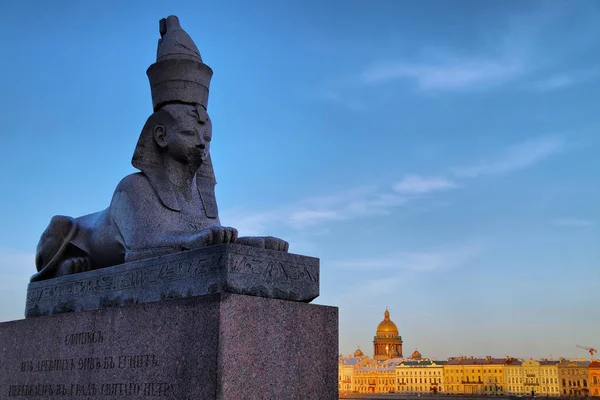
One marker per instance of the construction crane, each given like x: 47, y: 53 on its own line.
x: 590, y: 349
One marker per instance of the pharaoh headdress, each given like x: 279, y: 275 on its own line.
x: 177, y: 77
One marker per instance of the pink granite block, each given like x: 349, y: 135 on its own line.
x: 277, y: 349
x: 220, y: 346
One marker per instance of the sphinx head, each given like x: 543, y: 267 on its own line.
x: 181, y: 132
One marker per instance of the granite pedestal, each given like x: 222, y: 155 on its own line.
x: 214, y: 346
x: 230, y: 268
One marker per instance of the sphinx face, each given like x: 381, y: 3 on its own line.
x: 188, y: 139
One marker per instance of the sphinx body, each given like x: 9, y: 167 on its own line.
x: 167, y: 207
x: 136, y: 225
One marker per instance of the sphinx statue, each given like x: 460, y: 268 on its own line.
x: 169, y: 206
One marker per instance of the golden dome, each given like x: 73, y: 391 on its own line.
x: 416, y: 355
x: 387, y: 328
x: 358, y: 353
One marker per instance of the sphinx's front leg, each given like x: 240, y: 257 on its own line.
x: 176, y: 243
x: 210, y: 237
x: 265, y: 242
x: 75, y: 265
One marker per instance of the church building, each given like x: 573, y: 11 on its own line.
x: 387, y: 343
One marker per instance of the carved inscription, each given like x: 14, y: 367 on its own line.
x: 273, y: 269
x: 148, y: 275
x: 235, y: 268
x: 111, y: 389
x: 84, y: 338
x: 89, y: 364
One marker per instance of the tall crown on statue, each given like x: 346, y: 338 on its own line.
x: 178, y: 76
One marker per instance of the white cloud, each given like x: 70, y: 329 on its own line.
x: 309, y: 212
x: 554, y: 83
x: 369, y: 201
x: 366, y: 201
x: 517, y: 157
x: 573, y: 222
x: 246, y: 222
x: 564, y: 80
x: 414, y: 184
x: 349, y: 204
x: 459, y: 74
x: 375, y: 288
x: 530, y: 46
x: 304, y: 217
x: 424, y: 261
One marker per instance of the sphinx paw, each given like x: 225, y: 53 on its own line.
x: 273, y: 243
x: 265, y: 242
x: 74, y: 265
x: 222, y: 234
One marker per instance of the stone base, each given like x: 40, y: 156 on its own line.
x: 230, y: 268
x: 219, y: 346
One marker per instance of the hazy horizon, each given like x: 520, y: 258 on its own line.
x: 440, y: 159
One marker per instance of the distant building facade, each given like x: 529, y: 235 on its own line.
x: 373, y: 376
x: 475, y: 376
x: 540, y: 378
x: 531, y: 376
x: 573, y: 378
x: 549, y: 385
x: 514, y: 377
x: 594, y: 378
x: 346, y: 367
x: 417, y: 376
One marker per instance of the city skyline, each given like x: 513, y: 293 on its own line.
x: 583, y: 353
x: 441, y: 162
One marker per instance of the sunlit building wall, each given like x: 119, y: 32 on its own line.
x: 573, y: 378
x: 514, y: 377
x: 375, y: 376
x: 594, y: 378
x: 420, y: 376
x: 346, y: 366
x: 475, y: 376
x: 549, y: 385
x: 531, y: 377
x: 494, y: 381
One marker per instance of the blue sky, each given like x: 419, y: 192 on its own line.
x: 441, y: 159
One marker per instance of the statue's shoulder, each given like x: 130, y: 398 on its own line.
x: 134, y: 183
x: 148, y: 187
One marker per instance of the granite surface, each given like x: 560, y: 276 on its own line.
x: 219, y: 346
x: 228, y: 268
x: 273, y: 349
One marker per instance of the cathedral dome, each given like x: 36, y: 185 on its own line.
x: 387, y: 328
x: 358, y: 353
x: 416, y: 355
x: 387, y: 342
